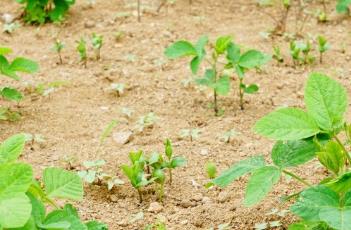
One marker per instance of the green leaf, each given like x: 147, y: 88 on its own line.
x: 253, y: 88
x: 222, y: 44
x: 15, y: 210
x: 342, y: 6
x: 180, y: 49
x: 60, y: 183
x: 287, y: 124
x: 11, y: 148
x: 252, y: 59
x: 66, y: 217
x: 336, y: 217
x: 5, y: 50
x: 221, y: 85
x: 306, y: 225
x: 332, y: 157
x: 24, y: 65
x: 341, y: 184
x: 293, y: 153
x: 312, y: 200
x: 326, y: 101
x: 14, y: 178
x: 178, y: 162
x: 11, y: 94
x: 239, y: 169
x: 233, y: 53
x: 94, y: 225
x: 260, y: 184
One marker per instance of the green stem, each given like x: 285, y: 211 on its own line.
x: 297, y: 178
x: 170, y: 176
x: 343, y: 148
x: 241, y: 95
x: 140, y: 196
x: 214, y: 67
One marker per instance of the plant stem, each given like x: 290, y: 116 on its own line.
x: 241, y: 94
x: 343, y: 148
x: 321, y: 57
x: 214, y: 67
x: 60, y: 57
x: 297, y: 178
x: 170, y: 176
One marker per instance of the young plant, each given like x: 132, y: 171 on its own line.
x: 94, y: 174
x: 118, y: 88
x: 343, y: 6
x: 172, y: 162
x: 10, y: 69
x: 24, y: 200
x: 97, y: 42
x: 277, y: 55
x: 227, y: 136
x: 224, y: 55
x: 82, y: 50
x: 323, y: 46
x: 191, y: 133
x: 41, y: 11
x: 300, y: 137
x: 146, y: 121
x: 10, y: 27
x: 211, y: 170
x: 58, y: 47
x: 135, y: 172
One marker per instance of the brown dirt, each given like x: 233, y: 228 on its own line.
x: 72, y: 118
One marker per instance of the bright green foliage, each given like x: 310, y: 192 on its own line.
x: 23, y: 200
x: 58, y: 47
x: 300, y: 52
x: 211, y: 170
x: 214, y: 78
x: 302, y: 136
x: 342, y: 6
x: 97, y: 42
x: 82, y: 50
x: 41, y: 11
x: 277, y: 55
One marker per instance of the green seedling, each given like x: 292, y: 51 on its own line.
x: 211, y: 170
x: 320, y: 132
x: 30, y: 203
x: 10, y: 27
x: 6, y: 114
x: 146, y: 121
x: 343, y: 6
x: 135, y: 172
x: 118, y: 88
x: 299, y: 48
x: 323, y: 46
x: 227, y: 136
x: 58, y: 47
x: 224, y: 55
x: 277, y: 55
x: 94, y: 174
x: 127, y: 112
x: 82, y: 50
x: 158, y: 226
x: 172, y: 162
x: 45, y: 89
x: 119, y: 35
x: 159, y: 177
x: 97, y: 42
x: 41, y: 11
x: 295, y: 52
x: 193, y: 134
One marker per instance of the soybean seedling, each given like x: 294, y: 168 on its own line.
x: 146, y: 121
x: 172, y: 162
x: 58, y: 47
x: 191, y: 133
x: 127, y: 112
x: 118, y: 88
x: 82, y: 50
x: 277, y: 55
x: 94, y: 174
x: 323, y: 46
x: 158, y: 174
x: 227, y: 136
x: 211, y: 170
x: 97, y: 42
x: 135, y: 172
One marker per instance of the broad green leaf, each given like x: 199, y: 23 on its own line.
x: 24, y: 65
x: 252, y: 59
x: 222, y: 44
x: 326, y: 101
x: 38, y: 209
x: 180, y: 49
x: 15, y: 210
x: 287, y: 124
x: 260, y: 184
x: 195, y: 64
x: 30, y: 225
x: 342, y: 6
x: 14, y: 178
x: 11, y: 148
x: 220, y: 85
x: 239, y: 169
x: 293, y: 153
x: 233, y: 53
x: 11, y: 94
x: 306, y: 225
x: 200, y: 46
x: 332, y: 157
x: 336, y: 217
x: 67, y: 216
x: 60, y: 183
x: 312, y: 200
x: 341, y: 184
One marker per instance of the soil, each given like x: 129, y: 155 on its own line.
x: 72, y: 118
